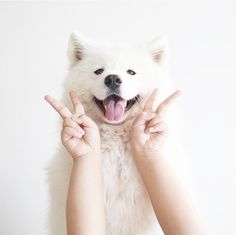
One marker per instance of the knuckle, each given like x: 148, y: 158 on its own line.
x: 68, y: 122
x: 158, y: 118
x: 53, y: 102
x: 63, y: 129
x: 65, y: 123
x: 66, y: 129
x: 74, y: 117
x: 60, y: 107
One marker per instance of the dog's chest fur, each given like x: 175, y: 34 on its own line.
x: 128, y: 208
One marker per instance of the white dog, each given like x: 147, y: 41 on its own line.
x: 113, y: 82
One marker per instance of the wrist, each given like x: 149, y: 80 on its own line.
x: 146, y: 161
x: 144, y: 154
x: 139, y: 151
x: 93, y: 155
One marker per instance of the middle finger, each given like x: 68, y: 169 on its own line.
x: 78, y: 107
x: 68, y: 122
x: 163, y: 107
x: 149, y: 106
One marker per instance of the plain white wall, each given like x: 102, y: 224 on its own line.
x: 33, y: 41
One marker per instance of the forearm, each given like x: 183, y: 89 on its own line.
x: 171, y: 203
x: 85, y: 211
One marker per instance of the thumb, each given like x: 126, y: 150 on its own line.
x: 84, y: 121
x: 143, y: 118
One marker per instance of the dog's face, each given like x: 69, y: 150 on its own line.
x: 115, y: 79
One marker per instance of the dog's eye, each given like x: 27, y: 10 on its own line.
x: 99, y: 71
x: 131, y: 72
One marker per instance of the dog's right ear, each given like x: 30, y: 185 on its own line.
x: 76, y: 47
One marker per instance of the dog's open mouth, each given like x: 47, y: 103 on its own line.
x: 115, y: 106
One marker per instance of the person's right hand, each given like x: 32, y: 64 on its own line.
x: 80, y: 134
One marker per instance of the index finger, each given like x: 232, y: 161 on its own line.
x: 149, y: 106
x: 78, y: 107
x: 59, y: 107
x: 163, y: 107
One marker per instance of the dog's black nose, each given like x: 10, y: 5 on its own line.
x: 113, y: 81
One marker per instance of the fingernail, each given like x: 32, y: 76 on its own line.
x: 78, y: 135
x: 82, y: 133
x: 151, y: 129
x: 76, y: 119
x: 47, y: 97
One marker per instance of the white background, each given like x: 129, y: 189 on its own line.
x: 33, y: 42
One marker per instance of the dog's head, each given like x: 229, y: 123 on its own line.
x: 114, y: 79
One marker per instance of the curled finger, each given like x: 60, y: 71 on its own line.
x: 68, y: 122
x: 143, y: 118
x: 69, y: 132
x: 154, y: 121
x: 160, y: 127
x: 84, y: 120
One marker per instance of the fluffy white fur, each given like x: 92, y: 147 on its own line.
x: 128, y: 208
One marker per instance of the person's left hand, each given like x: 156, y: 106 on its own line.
x: 149, y: 131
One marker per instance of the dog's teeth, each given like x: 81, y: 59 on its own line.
x: 104, y: 104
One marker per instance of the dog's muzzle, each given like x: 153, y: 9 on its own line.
x: 114, y: 106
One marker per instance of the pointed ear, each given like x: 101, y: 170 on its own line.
x: 158, y: 48
x: 76, y: 46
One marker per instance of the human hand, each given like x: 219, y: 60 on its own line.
x: 80, y: 134
x: 149, y: 131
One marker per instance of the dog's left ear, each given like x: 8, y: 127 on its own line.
x: 158, y: 48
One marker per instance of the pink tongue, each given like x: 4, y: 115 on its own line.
x: 114, y: 110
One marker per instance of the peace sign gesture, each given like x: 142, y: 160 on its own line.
x: 149, y: 131
x: 79, y: 134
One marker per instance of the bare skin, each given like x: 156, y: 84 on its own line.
x: 149, y: 131
x: 171, y: 203
x: 81, y: 138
